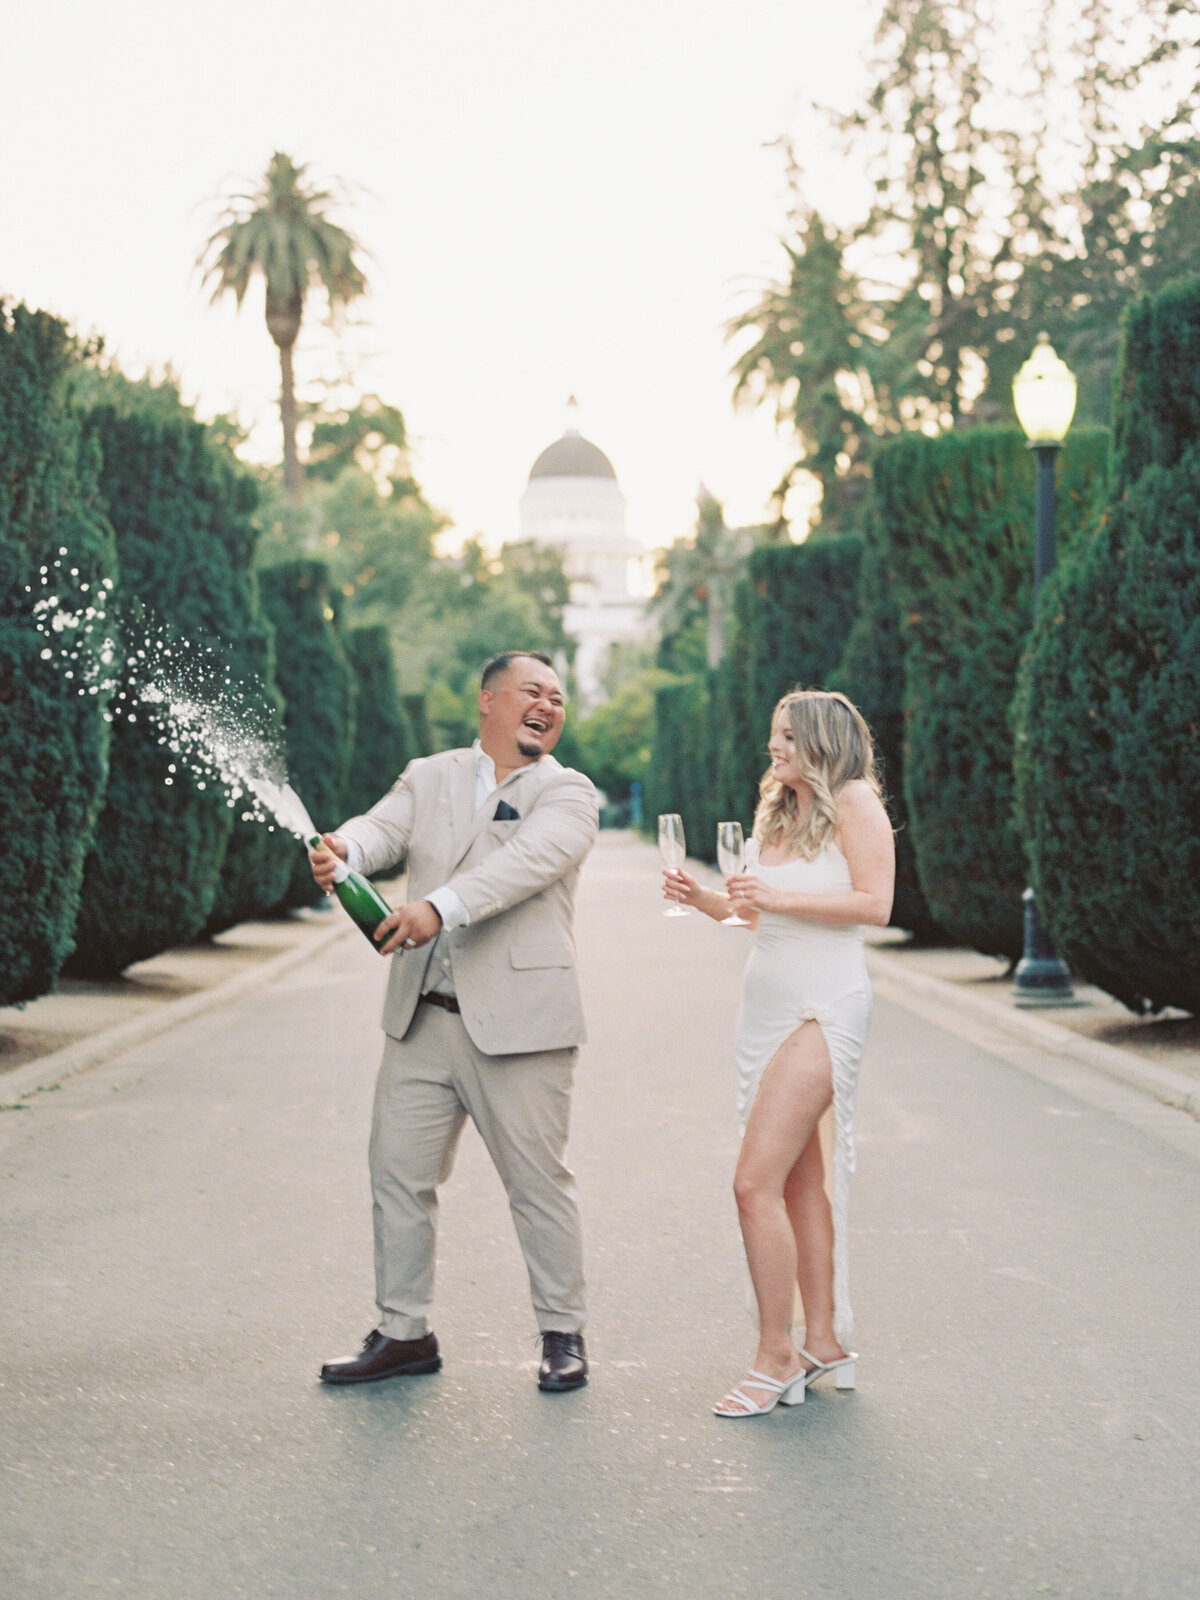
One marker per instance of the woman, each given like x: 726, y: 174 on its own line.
x: 826, y: 866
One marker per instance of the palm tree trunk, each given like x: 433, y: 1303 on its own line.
x: 293, y: 482
x: 715, y: 630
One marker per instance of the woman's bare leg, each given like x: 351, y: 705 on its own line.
x: 794, y: 1091
x: 812, y: 1228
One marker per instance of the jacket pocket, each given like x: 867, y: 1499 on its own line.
x: 540, y: 955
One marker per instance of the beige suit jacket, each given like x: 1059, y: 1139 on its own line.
x: 514, y: 965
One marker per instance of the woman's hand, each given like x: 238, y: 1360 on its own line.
x: 681, y: 887
x: 746, y: 890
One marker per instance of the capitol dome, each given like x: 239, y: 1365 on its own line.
x: 573, y: 503
x: 572, y: 456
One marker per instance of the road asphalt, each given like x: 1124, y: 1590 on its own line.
x: 187, y: 1236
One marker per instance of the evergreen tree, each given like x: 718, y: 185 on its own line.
x: 871, y: 674
x: 181, y: 509
x: 1108, y: 737
x: 956, y: 518
x: 383, y: 742
x: 319, y: 694
x: 53, y: 738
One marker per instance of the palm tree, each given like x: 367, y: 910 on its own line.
x: 282, y: 231
x: 698, y: 575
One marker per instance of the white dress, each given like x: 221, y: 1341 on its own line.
x: 802, y: 971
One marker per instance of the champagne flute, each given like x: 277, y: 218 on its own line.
x: 731, y: 852
x: 673, y: 850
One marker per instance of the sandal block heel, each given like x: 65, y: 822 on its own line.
x: 794, y: 1392
x: 843, y: 1370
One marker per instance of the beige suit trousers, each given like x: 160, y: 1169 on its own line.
x: 430, y: 1082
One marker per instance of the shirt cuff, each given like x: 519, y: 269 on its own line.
x: 449, y: 907
x: 354, y: 853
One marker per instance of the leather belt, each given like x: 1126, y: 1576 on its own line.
x: 448, y: 1002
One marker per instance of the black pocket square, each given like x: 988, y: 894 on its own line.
x: 505, y: 813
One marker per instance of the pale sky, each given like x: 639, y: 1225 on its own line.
x: 555, y: 198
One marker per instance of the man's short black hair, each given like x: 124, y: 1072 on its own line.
x: 502, y: 662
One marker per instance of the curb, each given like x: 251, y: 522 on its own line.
x: 895, y: 981
x: 49, y: 1071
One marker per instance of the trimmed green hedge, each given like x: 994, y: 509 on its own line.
x: 802, y: 601
x: 53, y: 740
x: 675, y: 780
x: 1108, y: 708
x: 383, y: 742
x: 957, y: 519
x: 871, y: 674
x: 791, y: 613
x: 417, y: 715
x: 181, y: 509
x: 319, y: 693
x: 1156, y: 401
x: 794, y: 609
x: 258, y: 859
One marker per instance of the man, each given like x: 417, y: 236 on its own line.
x: 483, y: 1016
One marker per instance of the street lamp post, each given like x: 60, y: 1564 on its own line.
x: 1044, y: 397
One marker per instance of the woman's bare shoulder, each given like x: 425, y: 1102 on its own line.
x: 858, y: 802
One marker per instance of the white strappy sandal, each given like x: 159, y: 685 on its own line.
x: 842, y: 1369
x: 790, y: 1393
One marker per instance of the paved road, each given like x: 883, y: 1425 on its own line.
x: 185, y: 1238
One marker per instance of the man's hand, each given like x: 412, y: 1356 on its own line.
x: 325, y: 859
x: 413, y: 925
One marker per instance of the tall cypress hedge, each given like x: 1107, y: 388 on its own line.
x: 794, y: 608
x: 957, y: 518
x: 871, y: 674
x: 417, y: 715
x: 791, y: 613
x: 803, y: 599
x: 53, y: 740
x: 258, y: 859
x: 676, y: 780
x: 1108, y: 709
x: 318, y: 688
x: 181, y: 509
x: 383, y: 744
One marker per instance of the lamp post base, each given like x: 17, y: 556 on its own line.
x: 1041, y: 978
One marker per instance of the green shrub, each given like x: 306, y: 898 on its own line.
x: 417, y: 715
x: 259, y: 859
x: 957, y: 517
x: 871, y: 674
x: 1156, y: 404
x: 383, y: 744
x: 803, y: 599
x: 53, y: 739
x: 676, y: 780
x: 1108, y: 707
x: 318, y: 689
x: 181, y: 509
x: 793, y: 610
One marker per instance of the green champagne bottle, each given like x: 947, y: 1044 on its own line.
x: 360, y: 898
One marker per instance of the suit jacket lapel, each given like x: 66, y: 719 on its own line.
x: 462, y: 804
x: 518, y: 789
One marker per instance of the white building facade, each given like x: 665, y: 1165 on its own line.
x: 574, y: 504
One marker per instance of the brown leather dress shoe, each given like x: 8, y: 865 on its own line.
x: 564, y: 1362
x: 381, y: 1357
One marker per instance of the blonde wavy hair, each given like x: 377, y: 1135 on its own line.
x: 833, y: 748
